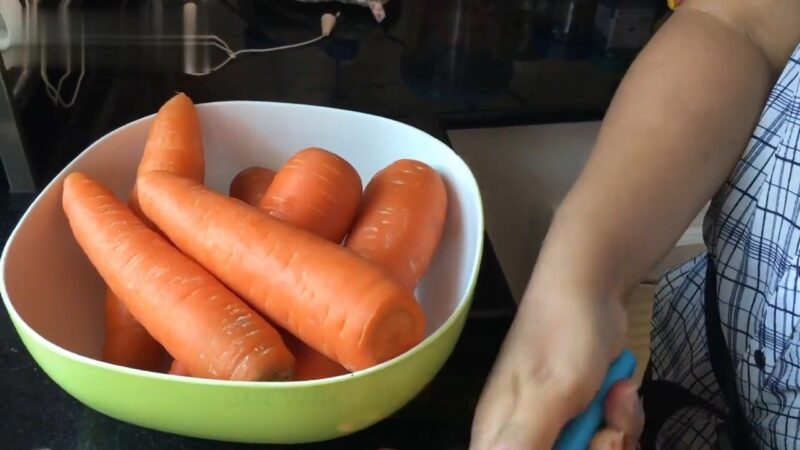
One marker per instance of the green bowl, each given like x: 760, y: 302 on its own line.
x: 55, y: 297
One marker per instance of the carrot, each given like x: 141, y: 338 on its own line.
x: 176, y: 368
x: 212, y: 332
x: 127, y: 342
x: 333, y: 300
x: 309, y: 363
x: 400, y: 221
x: 174, y: 143
x: 317, y: 191
x: 250, y: 184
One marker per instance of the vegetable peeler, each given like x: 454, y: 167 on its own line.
x: 579, y: 431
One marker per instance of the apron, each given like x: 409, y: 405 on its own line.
x: 724, y: 370
x: 661, y: 399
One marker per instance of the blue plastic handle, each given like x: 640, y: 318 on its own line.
x: 579, y: 432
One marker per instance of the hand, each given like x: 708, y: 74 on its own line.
x: 550, y: 367
x: 624, y: 418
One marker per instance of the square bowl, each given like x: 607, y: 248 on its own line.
x: 55, y: 297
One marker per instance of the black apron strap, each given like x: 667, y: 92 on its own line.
x: 661, y: 399
x: 738, y: 426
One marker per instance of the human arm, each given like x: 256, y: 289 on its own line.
x: 674, y: 131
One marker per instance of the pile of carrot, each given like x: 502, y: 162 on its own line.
x: 298, y: 273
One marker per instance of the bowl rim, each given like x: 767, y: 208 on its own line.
x: 464, y: 302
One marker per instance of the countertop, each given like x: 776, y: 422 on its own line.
x: 523, y: 185
x: 434, y: 65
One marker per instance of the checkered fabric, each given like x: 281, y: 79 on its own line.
x: 752, y: 231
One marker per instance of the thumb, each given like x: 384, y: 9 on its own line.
x: 608, y: 440
x: 623, y: 411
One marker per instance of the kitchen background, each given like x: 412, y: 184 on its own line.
x: 516, y: 87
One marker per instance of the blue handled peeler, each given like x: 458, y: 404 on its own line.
x: 579, y: 432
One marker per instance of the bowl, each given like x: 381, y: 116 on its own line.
x: 55, y: 297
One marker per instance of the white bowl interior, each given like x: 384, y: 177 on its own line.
x: 50, y: 283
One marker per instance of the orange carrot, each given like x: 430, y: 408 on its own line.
x: 309, y: 363
x: 333, y: 300
x: 317, y: 191
x: 400, y: 221
x: 250, y: 184
x: 127, y: 342
x: 174, y: 143
x: 131, y: 346
x: 177, y: 369
x: 212, y: 332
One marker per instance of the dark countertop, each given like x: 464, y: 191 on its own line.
x: 435, y: 65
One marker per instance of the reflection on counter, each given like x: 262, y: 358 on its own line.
x: 436, y: 65
x: 461, y: 50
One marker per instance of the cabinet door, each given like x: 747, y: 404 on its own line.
x: 640, y: 309
x: 688, y: 246
x: 677, y: 256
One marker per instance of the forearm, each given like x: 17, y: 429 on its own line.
x: 675, y: 129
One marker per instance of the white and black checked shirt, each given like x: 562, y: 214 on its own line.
x: 752, y: 230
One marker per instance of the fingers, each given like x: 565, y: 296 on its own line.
x: 548, y: 370
x: 624, y: 412
x: 495, y: 405
x: 524, y: 408
x: 530, y: 424
x: 608, y: 439
x: 522, y: 405
x: 524, y: 424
